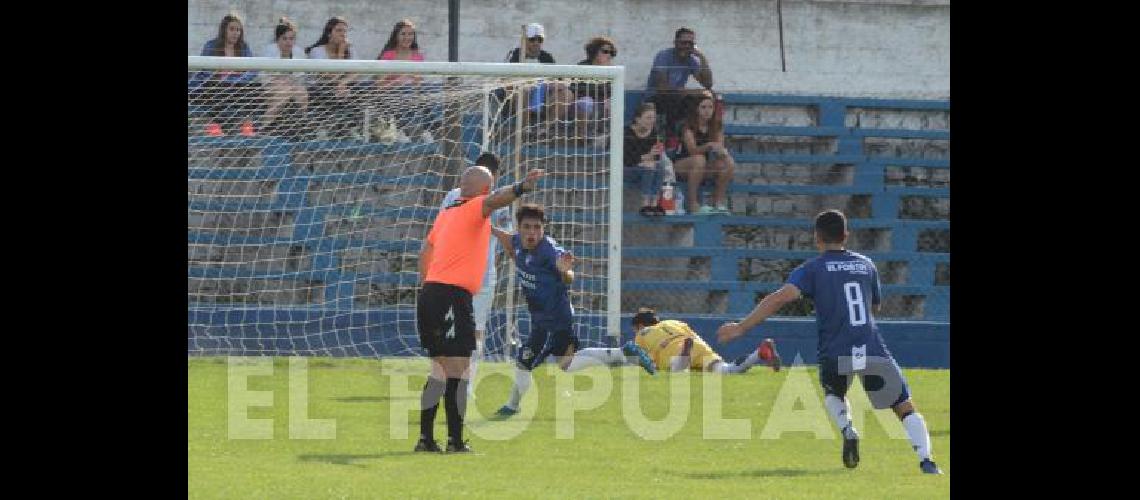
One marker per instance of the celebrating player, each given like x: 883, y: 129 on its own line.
x: 544, y: 272
x: 840, y: 282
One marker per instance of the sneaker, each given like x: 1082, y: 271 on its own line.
x: 214, y: 130
x: 506, y: 412
x: 767, y: 353
x: 705, y: 210
x: 247, y: 129
x: 632, y: 349
x: 402, y: 138
x: 427, y: 446
x: 928, y: 467
x: 427, y: 137
x: 851, y: 452
x: 458, y: 447
x: 722, y: 209
x: 600, y: 141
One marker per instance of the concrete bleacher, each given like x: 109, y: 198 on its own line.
x: 796, y: 156
x: 884, y: 162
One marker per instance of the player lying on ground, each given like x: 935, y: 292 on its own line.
x: 544, y: 273
x: 849, y: 342
x: 674, y: 346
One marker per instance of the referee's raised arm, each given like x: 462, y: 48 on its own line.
x: 505, y: 195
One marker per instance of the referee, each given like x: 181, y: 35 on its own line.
x: 452, y: 264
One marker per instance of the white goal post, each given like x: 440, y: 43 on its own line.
x: 312, y: 183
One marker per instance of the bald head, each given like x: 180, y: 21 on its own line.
x: 475, y: 181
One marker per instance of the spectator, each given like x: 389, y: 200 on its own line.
x: 593, y: 99
x: 669, y: 74
x: 535, y: 36
x: 283, y: 88
x: 226, y: 94
x: 333, y: 43
x: 703, y: 151
x: 331, y: 91
x: 403, y: 45
x: 643, y: 158
x: 544, y: 96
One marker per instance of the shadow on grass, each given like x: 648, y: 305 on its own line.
x: 371, y: 399
x: 760, y: 473
x: 940, y: 433
x: 352, y: 459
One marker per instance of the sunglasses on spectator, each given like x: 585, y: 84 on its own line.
x: 535, y: 39
x: 684, y: 42
x: 609, y: 51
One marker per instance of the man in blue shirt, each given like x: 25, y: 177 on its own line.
x: 670, y: 72
x: 843, y: 283
x: 544, y: 273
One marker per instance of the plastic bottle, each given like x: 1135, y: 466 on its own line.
x: 667, y: 202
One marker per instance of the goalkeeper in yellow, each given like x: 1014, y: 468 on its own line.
x: 674, y: 346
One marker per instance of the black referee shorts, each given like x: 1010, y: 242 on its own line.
x: 438, y: 308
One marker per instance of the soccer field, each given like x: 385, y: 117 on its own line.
x: 562, y: 451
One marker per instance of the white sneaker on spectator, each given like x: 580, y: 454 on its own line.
x: 401, y: 137
x: 427, y: 137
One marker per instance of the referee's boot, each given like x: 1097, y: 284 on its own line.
x: 457, y: 446
x: 426, y: 445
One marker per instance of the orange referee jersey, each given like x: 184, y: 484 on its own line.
x: 459, y: 239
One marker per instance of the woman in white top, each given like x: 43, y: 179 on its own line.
x: 333, y: 44
x: 333, y: 102
x: 283, y: 87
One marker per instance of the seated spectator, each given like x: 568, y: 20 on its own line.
x: 547, y: 96
x: 593, y: 99
x: 703, y: 152
x: 331, y: 92
x: 227, y: 95
x: 644, y: 160
x: 669, y: 74
x: 403, y: 45
x: 282, y: 88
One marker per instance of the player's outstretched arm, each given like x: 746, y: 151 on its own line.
x: 505, y: 195
x: 767, y: 307
x: 564, y: 264
x: 504, y: 240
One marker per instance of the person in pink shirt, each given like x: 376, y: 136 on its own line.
x: 400, y: 89
x: 402, y: 46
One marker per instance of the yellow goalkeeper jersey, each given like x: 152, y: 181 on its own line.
x: 666, y: 339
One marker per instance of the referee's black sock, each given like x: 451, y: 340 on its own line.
x: 455, y: 402
x: 429, y: 403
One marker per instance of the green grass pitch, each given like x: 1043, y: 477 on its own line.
x: 344, y: 417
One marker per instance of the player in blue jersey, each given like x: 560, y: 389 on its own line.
x: 842, y: 283
x: 544, y: 273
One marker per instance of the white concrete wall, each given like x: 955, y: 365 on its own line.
x: 887, y: 48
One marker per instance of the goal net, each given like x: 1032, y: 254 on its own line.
x: 312, y: 184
